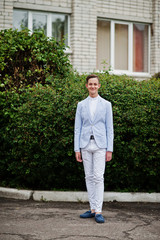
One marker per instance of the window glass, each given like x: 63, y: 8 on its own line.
x: 121, y: 46
x: 20, y: 19
x: 103, y: 44
x: 54, y: 24
x: 40, y: 22
x: 60, y: 27
x: 140, y: 48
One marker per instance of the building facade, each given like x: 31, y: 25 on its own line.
x: 122, y: 36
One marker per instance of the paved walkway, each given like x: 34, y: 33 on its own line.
x: 31, y: 220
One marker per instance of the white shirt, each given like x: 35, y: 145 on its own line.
x: 93, y: 105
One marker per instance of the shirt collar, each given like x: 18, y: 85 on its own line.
x: 93, y: 99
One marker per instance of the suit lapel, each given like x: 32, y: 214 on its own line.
x: 88, y: 110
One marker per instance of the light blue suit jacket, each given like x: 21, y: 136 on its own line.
x: 101, y: 126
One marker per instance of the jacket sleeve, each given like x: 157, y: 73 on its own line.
x: 77, y: 129
x: 109, y: 128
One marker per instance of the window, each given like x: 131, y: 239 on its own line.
x: 20, y: 18
x: 123, y: 46
x: 54, y: 24
x: 39, y: 21
x: 103, y: 43
x: 140, y: 48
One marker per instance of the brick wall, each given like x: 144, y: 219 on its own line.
x: 83, y: 38
x: 84, y: 14
x: 6, y: 14
x: 155, y: 38
x: 130, y: 10
x: 6, y: 8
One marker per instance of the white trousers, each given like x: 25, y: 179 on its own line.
x: 94, y: 159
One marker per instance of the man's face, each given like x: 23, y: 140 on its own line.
x: 93, y: 85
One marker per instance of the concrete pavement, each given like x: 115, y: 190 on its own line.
x: 32, y: 220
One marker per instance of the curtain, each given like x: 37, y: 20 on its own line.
x: 121, y: 47
x: 140, y: 48
x: 103, y: 45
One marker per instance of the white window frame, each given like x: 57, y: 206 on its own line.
x: 130, y: 49
x: 49, y: 27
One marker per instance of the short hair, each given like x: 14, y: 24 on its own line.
x: 91, y: 76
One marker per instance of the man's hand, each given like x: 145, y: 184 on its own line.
x: 78, y: 157
x: 108, y: 156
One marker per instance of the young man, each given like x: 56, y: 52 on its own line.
x: 93, y: 144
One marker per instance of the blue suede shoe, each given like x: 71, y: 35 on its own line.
x: 87, y: 214
x: 99, y: 218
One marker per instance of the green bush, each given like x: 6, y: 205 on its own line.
x: 27, y: 59
x: 156, y: 75
x: 38, y: 99
x: 36, y: 143
x: 37, y: 135
x: 135, y: 166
